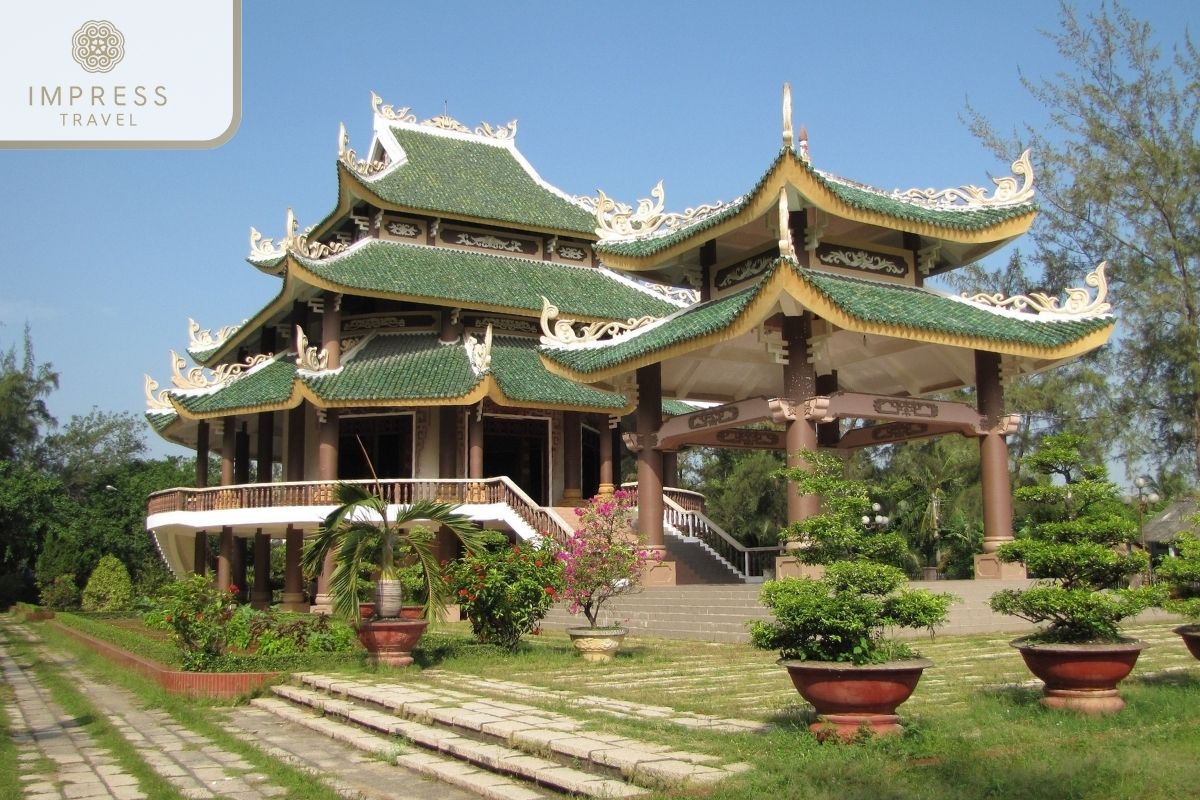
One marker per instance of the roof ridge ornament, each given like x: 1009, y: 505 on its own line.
x: 563, y: 330
x: 388, y: 112
x: 616, y: 221
x: 350, y: 159
x: 264, y: 249
x: 156, y: 400
x: 1007, y: 192
x: 479, y: 352
x: 196, y: 377
x: 309, y: 358
x: 1079, y: 300
x: 789, y: 137
x: 443, y: 121
x: 205, y: 339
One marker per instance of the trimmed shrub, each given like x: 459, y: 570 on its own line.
x: 109, y: 588
x: 61, y: 594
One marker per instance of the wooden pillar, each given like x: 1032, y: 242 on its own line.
x: 261, y: 597
x: 200, y: 553
x: 572, y: 458
x: 993, y: 463
x: 708, y: 259
x: 265, y: 449
x: 237, y: 568
x: 201, y: 454
x: 475, y: 491
x: 649, y: 472
x: 799, y: 384
x: 331, y: 329
x: 606, y: 459
x: 294, y: 469
x: 228, y: 449
x: 327, y: 460
x: 828, y: 433
x: 670, y: 468
x: 293, y: 580
x: 225, y: 558
x: 241, y: 456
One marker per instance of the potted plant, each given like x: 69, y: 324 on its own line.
x: 602, y: 559
x: 830, y: 630
x: 364, y: 538
x: 1078, y: 547
x: 1182, y: 574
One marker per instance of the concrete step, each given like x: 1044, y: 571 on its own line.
x: 514, y: 741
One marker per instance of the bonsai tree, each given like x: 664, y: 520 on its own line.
x: 1078, y: 548
x: 365, y: 539
x: 603, y: 558
x: 842, y: 616
x: 1182, y: 574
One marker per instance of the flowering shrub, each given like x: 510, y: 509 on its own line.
x: 196, y: 615
x: 271, y: 633
x: 505, y: 589
x: 604, y: 558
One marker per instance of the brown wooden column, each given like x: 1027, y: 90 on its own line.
x: 475, y: 492
x: 606, y: 459
x: 572, y: 458
x: 327, y: 460
x: 225, y: 558
x: 228, y: 449
x: 670, y: 468
x: 828, y: 433
x: 241, y: 456
x: 200, y: 553
x: 265, y: 448
x: 261, y: 597
x: 331, y: 329
x: 237, y: 565
x: 293, y: 580
x: 294, y: 469
x: 201, y: 454
x: 993, y: 463
x: 799, y: 384
x: 649, y: 472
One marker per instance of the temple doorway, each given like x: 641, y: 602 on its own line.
x: 388, y: 442
x: 519, y: 447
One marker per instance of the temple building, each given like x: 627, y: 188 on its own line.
x: 460, y: 329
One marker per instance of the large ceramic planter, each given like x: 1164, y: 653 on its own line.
x: 850, y: 699
x: 391, y: 641
x: 1081, y: 677
x: 388, y: 598
x: 597, y: 645
x: 1191, y: 637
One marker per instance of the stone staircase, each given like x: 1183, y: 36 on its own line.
x: 697, y: 564
x: 498, y: 749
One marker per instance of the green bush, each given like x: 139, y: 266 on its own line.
x: 1078, y: 549
x: 196, y: 615
x: 109, y: 588
x: 506, y: 590
x: 1182, y: 573
x: 61, y: 594
x: 843, y: 615
x: 273, y: 633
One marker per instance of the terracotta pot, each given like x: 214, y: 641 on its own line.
x: 1191, y: 637
x: 366, y: 610
x: 850, y: 699
x: 597, y: 645
x: 1081, y: 677
x: 391, y: 641
x: 412, y: 612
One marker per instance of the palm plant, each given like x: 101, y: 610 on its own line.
x: 364, y: 538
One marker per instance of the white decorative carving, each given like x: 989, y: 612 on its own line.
x: 446, y: 123
x: 261, y: 248
x: 788, y: 135
x: 489, y: 242
x: 572, y: 253
x: 618, y: 221
x: 387, y: 112
x: 1079, y: 300
x: 479, y: 353
x: 501, y: 132
x: 752, y: 267
x: 194, y: 378
x: 205, y: 339
x: 861, y: 259
x: 309, y: 358
x: 563, y: 330
x: 676, y: 294
x: 927, y: 257
x: 198, y: 378
x: 156, y: 400
x: 1008, y: 191
x: 347, y: 156
x: 403, y: 229
x: 786, y: 248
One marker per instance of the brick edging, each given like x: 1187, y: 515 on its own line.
x: 217, y: 685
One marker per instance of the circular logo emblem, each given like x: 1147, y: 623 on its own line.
x: 98, y: 46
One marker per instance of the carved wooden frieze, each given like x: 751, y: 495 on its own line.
x: 889, y: 263
x: 503, y: 326
x: 402, y: 229
x: 744, y: 270
x: 710, y: 417
x: 493, y: 242
x: 367, y: 323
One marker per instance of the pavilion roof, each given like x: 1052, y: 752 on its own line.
x: 398, y: 369
x: 838, y: 196
x: 869, y: 307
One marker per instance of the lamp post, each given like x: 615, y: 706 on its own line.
x: 876, y: 520
x: 1146, y: 496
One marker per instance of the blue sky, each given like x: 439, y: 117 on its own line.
x: 107, y: 254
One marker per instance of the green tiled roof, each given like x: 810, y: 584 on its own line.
x: 911, y: 307
x: 479, y: 279
x: 201, y: 355
x: 449, y: 175
x: 270, y: 385
x: 401, y: 366
x: 922, y: 309
x: 160, y: 421
x: 522, y: 377
x: 855, y: 196
x: 690, y: 323
x: 677, y: 408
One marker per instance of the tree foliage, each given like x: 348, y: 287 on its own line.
x: 1117, y: 181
